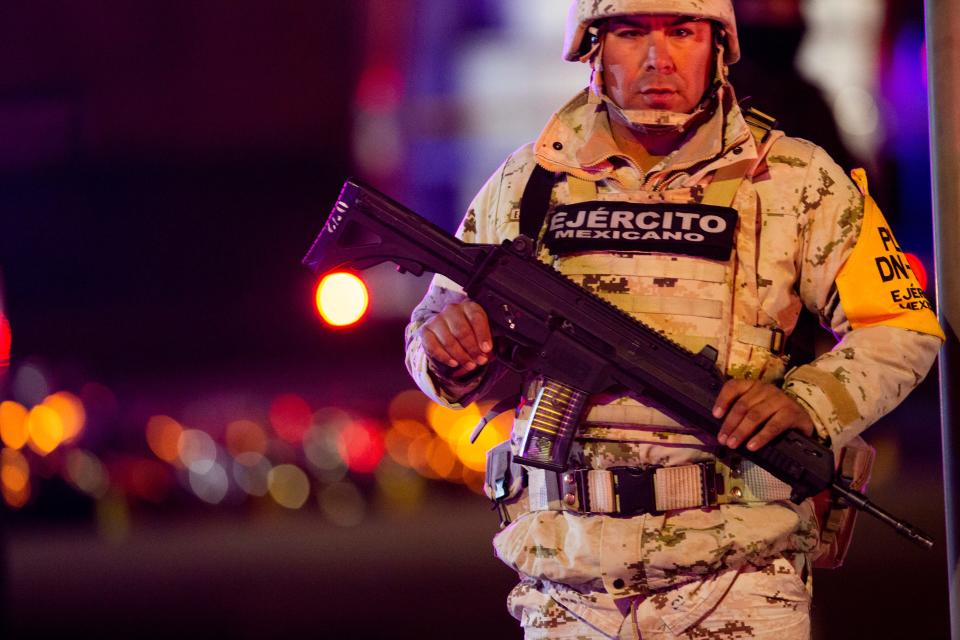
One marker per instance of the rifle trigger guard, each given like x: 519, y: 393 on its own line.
x: 511, y: 354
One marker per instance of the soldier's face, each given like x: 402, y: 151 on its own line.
x: 658, y: 62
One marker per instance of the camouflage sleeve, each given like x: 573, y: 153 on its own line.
x: 487, y: 222
x: 872, y: 369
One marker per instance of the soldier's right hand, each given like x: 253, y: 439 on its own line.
x: 458, y: 338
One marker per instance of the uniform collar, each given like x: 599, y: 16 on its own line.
x: 578, y: 140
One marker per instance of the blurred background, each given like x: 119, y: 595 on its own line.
x: 188, y: 450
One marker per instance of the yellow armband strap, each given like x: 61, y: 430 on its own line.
x: 876, y: 284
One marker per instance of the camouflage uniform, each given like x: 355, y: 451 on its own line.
x: 800, y: 219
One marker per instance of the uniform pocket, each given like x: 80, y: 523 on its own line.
x: 768, y: 602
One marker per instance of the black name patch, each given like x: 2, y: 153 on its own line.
x: 699, y: 230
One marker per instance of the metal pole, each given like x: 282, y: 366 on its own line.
x: 943, y: 64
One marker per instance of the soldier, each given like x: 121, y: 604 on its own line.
x: 759, y: 226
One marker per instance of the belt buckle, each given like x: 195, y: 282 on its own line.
x: 634, y: 490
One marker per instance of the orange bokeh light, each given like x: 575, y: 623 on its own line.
x: 400, y: 436
x: 71, y: 412
x: 408, y: 405
x: 45, y: 428
x: 16, y: 499
x: 13, y: 424
x: 473, y: 455
x: 417, y: 456
x: 14, y: 478
x: 442, y: 460
x: 163, y: 436
x: 245, y: 436
x: 341, y: 299
x: 14, y: 470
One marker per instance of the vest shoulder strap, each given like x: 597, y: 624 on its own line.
x: 535, y: 201
x: 722, y: 190
x: 760, y: 123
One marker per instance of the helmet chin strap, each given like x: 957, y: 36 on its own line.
x: 655, y: 121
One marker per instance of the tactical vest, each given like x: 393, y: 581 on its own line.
x: 695, y: 301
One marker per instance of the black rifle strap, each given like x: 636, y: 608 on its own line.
x: 536, y: 201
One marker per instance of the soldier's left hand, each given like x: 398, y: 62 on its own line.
x: 757, y: 405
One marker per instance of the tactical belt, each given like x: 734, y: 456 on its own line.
x: 630, y: 491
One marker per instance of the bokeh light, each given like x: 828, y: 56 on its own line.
x: 288, y: 486
x: 85, y: 471
x: 14, y: 478
x: 342, y: 299
x: 290, y: 416
x: 442, y: 460
x: 6, y: 338
x: 13, y: 424
x: 402, y: 488
x: 15, y: 472
x: 197, y: 451
x: 72, y: 414
x: 210, y: 485
x: 322, y: 450
x: 449, y: 424
x: 250, y: 472
x: 418, y: 456
x: 400, y: 436
x: 474, y: 456
x: 920, y: 271
x: 410, y: 404
x: 245, y: 436
x: 163, y: 437
x: 30, y: 384
x: 45, y: 429
x: 342, y: 504
x: 361, y: 446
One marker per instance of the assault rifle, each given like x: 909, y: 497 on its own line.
x: 545, y: 323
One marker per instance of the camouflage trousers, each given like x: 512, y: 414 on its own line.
x: 770, y: 602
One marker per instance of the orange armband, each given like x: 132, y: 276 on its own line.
x: 877, y: 285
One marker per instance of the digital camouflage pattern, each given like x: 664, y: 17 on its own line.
x: 800, y: 219
x: 584, y: 12
x: 750, y: 602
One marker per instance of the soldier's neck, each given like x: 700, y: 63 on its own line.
x: 643, y: 148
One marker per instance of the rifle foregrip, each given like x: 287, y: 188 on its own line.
x: 802, y: 462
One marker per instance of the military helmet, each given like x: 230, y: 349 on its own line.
x: 583, y: 13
